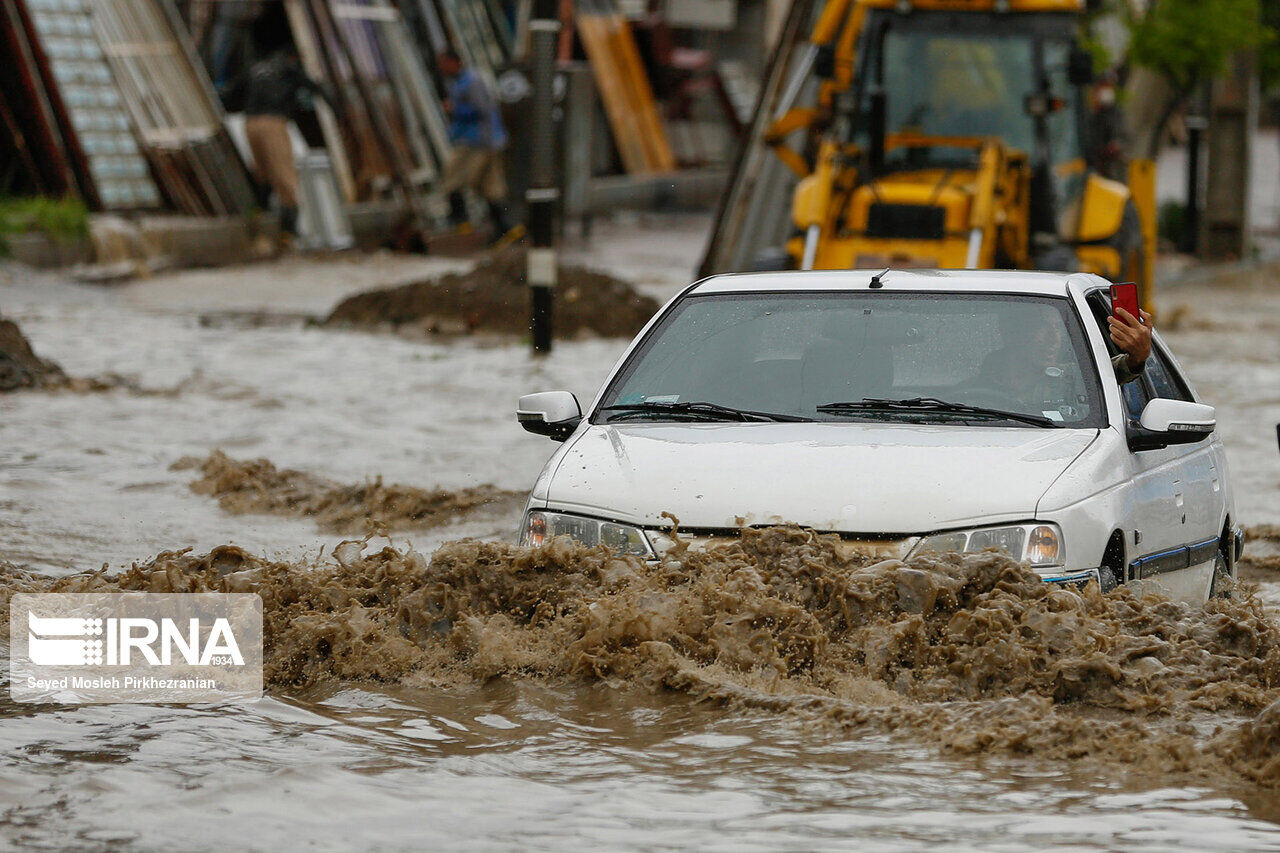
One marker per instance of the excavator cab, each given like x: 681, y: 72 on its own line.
x: 953, y: 133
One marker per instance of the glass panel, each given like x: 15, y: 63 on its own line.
x: 1135, y: 398
x: 584, y: 530
x: 1066, y: 151
x: 1162, y: 379
x: 1007, y: 539
x: 959, y: 84
x: 791, y: 353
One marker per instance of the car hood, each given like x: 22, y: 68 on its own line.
x: 852, y: 478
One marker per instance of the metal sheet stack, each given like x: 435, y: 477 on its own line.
x: 386, y: 126
x: 62, y: 110
x: 624, y: 87
x: 476, y: 29
x: 111, y: 107
x: 173, y: 107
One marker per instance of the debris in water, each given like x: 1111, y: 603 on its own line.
x: 257, y: 486
x: 970, y: 651
x: 20, y: 367
x: 494, y: 297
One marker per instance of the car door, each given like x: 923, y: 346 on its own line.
x: 1167, y: 506
x: 1155, y: 530
x: 1203, y: 502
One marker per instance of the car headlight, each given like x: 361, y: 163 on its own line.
x: 540, y: 526
x: 1040, y: 545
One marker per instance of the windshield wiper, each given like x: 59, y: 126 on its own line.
x: 933, y: 404
x: 706, y: 411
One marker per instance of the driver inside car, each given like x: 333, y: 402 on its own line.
x: 1034, y: 364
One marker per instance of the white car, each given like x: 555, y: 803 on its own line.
x: 906, y: 411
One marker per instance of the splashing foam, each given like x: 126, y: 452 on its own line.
x: 257, y: 486
x: 972, y: 652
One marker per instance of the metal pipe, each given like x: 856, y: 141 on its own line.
x: 975, y: 249
x: 798, y: 78
x: 542, y: 199
x: 810, y: 246
x: 1195, y: 124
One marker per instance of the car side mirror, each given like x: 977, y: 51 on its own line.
x: 555, y: 414
x: 1165, y: 422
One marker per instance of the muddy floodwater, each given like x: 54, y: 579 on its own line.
x: 424, y: 695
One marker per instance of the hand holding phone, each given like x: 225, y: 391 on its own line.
x: 1132, y: 333
x: 1125, y: 296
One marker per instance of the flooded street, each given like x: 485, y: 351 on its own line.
x: 513, y: 766
x: 552, y: 739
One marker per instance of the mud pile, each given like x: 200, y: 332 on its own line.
x: 494, y: 297
x: 257, y: 486
x: 971, y: 652
x: 20, y: 367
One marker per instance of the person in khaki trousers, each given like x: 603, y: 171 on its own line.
x: 276, y: 92
x: 478, y: 138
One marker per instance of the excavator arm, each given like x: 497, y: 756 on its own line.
x: 831, y: 52
x: 863, y: 194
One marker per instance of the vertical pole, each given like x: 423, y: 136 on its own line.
x: 1195, y: 123
x: 543, y: 196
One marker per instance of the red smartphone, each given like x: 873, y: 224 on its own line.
x: 1125, y: 296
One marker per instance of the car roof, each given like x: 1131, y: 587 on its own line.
x: 975, y: 281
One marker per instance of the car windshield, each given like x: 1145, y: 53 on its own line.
x: 805, y: 354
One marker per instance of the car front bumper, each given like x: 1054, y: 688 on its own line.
x: 1069, y: 577
x: 878, y: 549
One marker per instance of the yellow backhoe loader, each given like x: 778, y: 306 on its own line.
x: 933, y: 133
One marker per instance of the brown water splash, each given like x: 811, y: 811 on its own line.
x: 972, y: 652
x: 257, y: 486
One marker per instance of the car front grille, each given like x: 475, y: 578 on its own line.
x: 846, y: 545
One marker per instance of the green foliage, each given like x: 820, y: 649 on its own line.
x: 61, y: 219
x: 1089, y: 40
x: 1269, y: 45
x: 1188, y: 41
x: 1173, y: 221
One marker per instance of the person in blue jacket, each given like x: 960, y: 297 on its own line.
x: 478, y: 138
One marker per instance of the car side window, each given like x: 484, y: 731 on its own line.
x: 1135, y: 397
x: 1165, y: 382
x: 1135, y: 393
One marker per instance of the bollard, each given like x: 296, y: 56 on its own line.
x: 543, y: 196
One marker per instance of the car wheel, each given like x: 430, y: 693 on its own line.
x: 1222, y: 582
x: 1111, y: 570
x: 1107, y: 578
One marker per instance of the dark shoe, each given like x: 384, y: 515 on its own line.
x: 458, y: 210
x: 498, y: 215
x: 289, y: 220
x: 262, y: 194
